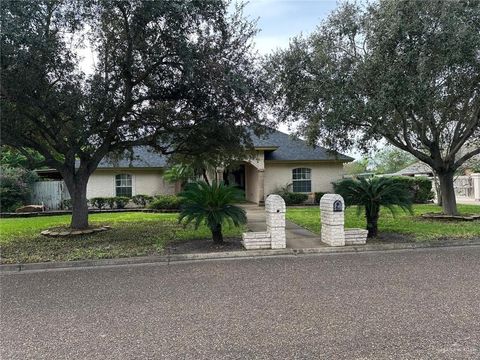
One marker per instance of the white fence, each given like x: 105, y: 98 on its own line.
x: 464, y: 187
x: 50, y: 193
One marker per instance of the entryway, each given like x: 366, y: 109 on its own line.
x: 297, y: 237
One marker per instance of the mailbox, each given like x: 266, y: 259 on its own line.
x: 337, y: 206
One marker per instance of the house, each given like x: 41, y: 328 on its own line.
x: 418, y: 168
x: 278, y: 160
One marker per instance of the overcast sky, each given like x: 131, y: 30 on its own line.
x: 279, y: 20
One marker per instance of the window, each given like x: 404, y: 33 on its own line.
x: 123, y: 185
x: 302, y: 180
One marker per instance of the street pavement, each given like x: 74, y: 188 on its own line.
x: 421, y: 304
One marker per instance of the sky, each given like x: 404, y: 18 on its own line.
x: 280, y: 20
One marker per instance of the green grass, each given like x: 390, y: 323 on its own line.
x: 132, y: 234
x: 403, y: 223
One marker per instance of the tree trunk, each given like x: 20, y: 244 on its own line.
x: 77, y: 187
x: 372, y: 223
x: 447, y: 191
x: 217, y: 234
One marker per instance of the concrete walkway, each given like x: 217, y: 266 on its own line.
x: 297, y: 237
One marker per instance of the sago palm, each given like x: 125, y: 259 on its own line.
x: 372, y: 194
x: 212, y: 204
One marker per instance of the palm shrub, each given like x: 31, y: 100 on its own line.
x: 212, y: 204
x: 373, y: 193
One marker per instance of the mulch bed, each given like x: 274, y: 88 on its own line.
x: 390, y: 238
x: 204, y: 246
x: 462, y: 217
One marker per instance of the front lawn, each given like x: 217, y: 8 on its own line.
x: 403, y: 223
x: 132, y: 234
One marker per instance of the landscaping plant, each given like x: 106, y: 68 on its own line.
x: 98, y: 202
x: 121, y: 201
x: 373, y: 193
x: 212, y: 204
x: 142, y: 200
x: 15, y: 187
x: 165, y: 202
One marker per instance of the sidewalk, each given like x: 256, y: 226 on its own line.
x: 297, y: 237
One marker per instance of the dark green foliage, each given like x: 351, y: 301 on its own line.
x: 15, y: 187
x: 110, y: 201
x: 98, y: 202
x: 212, y: 204
x: 292, y: 198
x: 66, y: 204
x: 179, y: 76
x: 141, y: 200
x: 165, y: 202
x: 318, y: 196
x: 113, y: 202
x: 420, y: 188
x: 121, y: 202
x: 404, y: 71
x: 373, y: 193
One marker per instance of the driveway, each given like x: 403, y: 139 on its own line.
x: 297, y: 237
x: 395, y: 305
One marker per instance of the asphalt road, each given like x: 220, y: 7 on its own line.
x: 422, y: 304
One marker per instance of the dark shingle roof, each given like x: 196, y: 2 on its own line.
x: 291, y: 148
x: 287, y: 148
x: 141, y: 157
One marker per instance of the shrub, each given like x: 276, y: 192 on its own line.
x: 121, y: 201
x: 165, y: 202
x: 110, y: 201
x: 66, y: 204
x: 318, y: 196
x: 213, y: 204
x: 15, y: 187
x: 98, y: 202
x: 141, y: 200
x: 292, y: 198
x: 420, y: 188
x: 373, y: 193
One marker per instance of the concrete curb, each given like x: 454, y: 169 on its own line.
x: 250, y: 254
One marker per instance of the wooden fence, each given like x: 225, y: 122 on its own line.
x: 50, y: 193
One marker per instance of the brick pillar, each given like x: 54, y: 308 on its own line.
x: 332, y: 209
x: 476, y: 186
x: 275, y: 213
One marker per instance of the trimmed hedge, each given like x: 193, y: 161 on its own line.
x: 142, y: 200
x: 115, y: 202
x: 318, y: 196
x: 165, y: 202
x: 419, y: 187
x: 98, y: 202
x: 292, y: 198
x: 121, y: 201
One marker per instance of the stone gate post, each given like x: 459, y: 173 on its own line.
x: 332, y: 213
x: 275, y: 213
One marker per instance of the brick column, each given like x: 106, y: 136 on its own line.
x: 332, y: 209
x: 275, y: 213
x: 476, y: 186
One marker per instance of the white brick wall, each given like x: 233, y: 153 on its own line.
x: 333, y: 232
x: 274, y: 237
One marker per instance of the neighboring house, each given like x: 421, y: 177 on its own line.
x: 279, y: 159
x: 416, y: 169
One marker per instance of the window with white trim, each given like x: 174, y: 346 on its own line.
x: 123, y: 185
x: 302, y: 180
